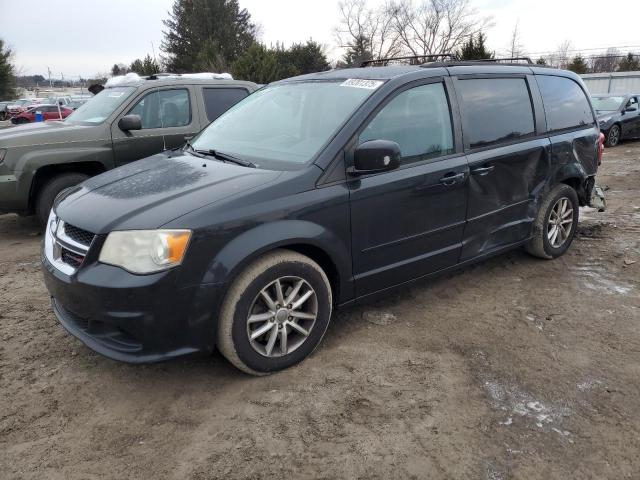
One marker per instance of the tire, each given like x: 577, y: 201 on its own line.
x: 613, y: 136
x: 543, y: 244
x: 244, y: 299
x: 50, y: 191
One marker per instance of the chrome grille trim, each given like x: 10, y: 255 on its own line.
x: 55, y: 240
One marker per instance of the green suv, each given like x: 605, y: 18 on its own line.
x: 131, y: 119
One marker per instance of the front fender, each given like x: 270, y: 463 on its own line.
x: 248, y: 246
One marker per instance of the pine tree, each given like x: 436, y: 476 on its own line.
x: 193, y: 23
x: 150, y: 66
x: 137, y: 67
x: 258, y: 64
x: 356, y: 54
x: 578, y: 65
x: 7, y: 74
x: 630, y: 63
x: 303, y: 58
x: 474, y: 49
x: 541, y: 61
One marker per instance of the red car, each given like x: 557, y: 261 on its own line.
x: 49, y: 112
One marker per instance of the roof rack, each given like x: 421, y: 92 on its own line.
x: 409, y: 60
x: 506, y: 60
x: 441, y: 59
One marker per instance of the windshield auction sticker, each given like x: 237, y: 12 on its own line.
x: 362, y: 83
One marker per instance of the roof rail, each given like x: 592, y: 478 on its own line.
x: 505, y: 59
x: 410, y: 60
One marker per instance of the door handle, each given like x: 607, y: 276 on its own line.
x: 482, y: 170
x: 452, y: 178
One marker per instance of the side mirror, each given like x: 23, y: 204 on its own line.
x: 375, y: 156
x: 130, y: 122
x: 632, y: 108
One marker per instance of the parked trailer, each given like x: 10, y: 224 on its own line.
x: 615, y: 82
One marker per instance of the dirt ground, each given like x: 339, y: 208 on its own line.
x: 513, y: 368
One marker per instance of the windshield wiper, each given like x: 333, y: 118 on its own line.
x: 225, y: 157
x: 194, y: 152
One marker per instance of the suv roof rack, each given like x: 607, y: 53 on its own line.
x: 441, y: 59
x: 410, y: 60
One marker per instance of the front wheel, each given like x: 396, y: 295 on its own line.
x: 555, y: 224
x: 613, y: 136
x: 275, y: 313
x: 50, y: 191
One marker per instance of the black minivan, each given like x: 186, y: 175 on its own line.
x: 318, y: 192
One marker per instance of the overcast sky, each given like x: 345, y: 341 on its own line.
x: 82, y: 37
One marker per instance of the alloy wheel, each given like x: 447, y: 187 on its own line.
x: 282, y: 316
x: 560, y: 222
x: 614, y: 136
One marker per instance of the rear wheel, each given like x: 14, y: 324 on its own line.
x: 50, y: 191
x: 613, y: 136
x: 555, y: 224
x: 275, y: 313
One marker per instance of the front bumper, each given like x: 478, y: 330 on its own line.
x: 134, y: 318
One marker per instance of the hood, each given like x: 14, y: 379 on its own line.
x: 42, y: 133
x: 149, y: 193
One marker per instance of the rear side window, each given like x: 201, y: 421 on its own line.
x: 565, y: 104
x: 496, y: 110
x: 219, y: 100
x: 418, y: 120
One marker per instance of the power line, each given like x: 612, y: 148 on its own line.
x: 586, y: 49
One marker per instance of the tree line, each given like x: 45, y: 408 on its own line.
x: 220, y: 36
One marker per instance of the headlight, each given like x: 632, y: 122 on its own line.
x: 145, y: 251
x: 3, y: 152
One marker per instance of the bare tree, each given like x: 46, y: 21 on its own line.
x: 434, y: 26
x: 361, y: 25
x: 515, y: 48
x: 561, y: 58
x: 606, y: 63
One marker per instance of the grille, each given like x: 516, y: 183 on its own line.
x: 71, y: 258
x: 81, y: 236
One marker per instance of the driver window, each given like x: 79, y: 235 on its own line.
x: 418, y: 120
x: 633, y: 102
x: 164, y: 109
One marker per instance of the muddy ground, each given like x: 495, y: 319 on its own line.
x: 513, y: 368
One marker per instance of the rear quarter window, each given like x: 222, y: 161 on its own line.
x: 219, y: 100
x: 565, y: 103
x: 495, y: 110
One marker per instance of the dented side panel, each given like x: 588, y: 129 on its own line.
x: 503, y: 199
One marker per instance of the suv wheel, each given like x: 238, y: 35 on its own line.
x: 555, y: 224
x: 50, y: 191
x: 275, y: 313
x: 613, y: 136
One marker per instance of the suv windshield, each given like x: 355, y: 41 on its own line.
x: 98, y: 109
x: 607, y: 104
x: 284, y: 124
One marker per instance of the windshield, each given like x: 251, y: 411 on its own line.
x: 284, y: 125
x: 100, y: 107
x: 607, y: 104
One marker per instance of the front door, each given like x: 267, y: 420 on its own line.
x: 168, y: 119
x: 631, y: 119
x: 508, y: 166
x: 409, y: 222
